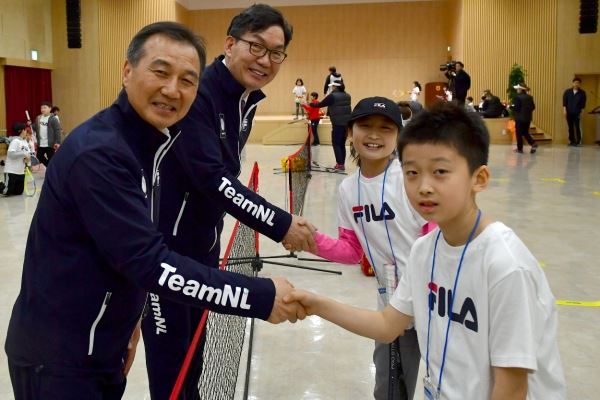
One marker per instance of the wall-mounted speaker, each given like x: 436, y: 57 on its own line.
x: 73, y: 24
x: 588, y: 16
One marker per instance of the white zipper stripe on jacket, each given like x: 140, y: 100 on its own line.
x: 158, y: 156
x: 215, y: 241
x: 185, y: 197
x: 240, y: 128
x: 96, y: 321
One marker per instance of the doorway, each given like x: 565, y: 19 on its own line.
x: 589, y: 122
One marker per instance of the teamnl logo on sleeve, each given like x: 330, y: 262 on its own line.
x: 370, y: 213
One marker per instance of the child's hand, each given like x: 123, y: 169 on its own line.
x: 307, y: 299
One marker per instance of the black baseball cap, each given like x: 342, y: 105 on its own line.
x: 377, y: 105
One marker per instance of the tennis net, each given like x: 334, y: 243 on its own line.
x: 224, y: 334
x: 298, y: 168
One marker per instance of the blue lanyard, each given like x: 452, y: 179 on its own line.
x: 451, y: 302
x: 382, y: 287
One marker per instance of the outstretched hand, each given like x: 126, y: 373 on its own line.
x: 300, y: 236
x: 285, y: 311
x: 306, y: 299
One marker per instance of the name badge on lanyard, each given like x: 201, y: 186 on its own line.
x: 431, y: 392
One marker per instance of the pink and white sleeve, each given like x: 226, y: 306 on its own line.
x: 346, y: 249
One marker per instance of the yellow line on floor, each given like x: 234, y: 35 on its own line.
x: 576, y: 303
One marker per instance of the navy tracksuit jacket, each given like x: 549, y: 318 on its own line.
x: 199, y: 177
x: 93, y: 252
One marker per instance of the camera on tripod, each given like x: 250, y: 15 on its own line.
x: 450, y: 66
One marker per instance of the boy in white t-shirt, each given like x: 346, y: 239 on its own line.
x: 501, y: 343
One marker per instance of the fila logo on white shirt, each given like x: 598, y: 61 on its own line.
x: 379, y: 105
x: 443, y: 297
x: 369, y: 212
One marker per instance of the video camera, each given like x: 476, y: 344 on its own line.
x: 450, y: 66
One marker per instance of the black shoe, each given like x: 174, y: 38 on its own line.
x: 533, y: 148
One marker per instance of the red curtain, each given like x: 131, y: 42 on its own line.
x: 25, y: 89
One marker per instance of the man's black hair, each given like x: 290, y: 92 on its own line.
x: 460, y: 63
x: 258, y: 18
x: 332, y: 69
x: 451, y: 125
x: 172, y: 30
x: 576, y: 79
x: 46, y: 103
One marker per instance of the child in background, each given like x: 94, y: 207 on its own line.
x: 375, y: 218
x: 415, y: 91
x: 17, y: 157
x: 299, y: 92
x: 314, y: 116
x: 484, y: 312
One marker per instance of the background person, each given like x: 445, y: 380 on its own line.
x: 47, y: 132
x: 415, y: 91
x: 523, y: 106
x: 339, y: 109
x: 314, y: 116
x: 574, y: 100
x: 299, y: 92
x: 492, y: 106
x: 17, y: 157
x: 332, y: 77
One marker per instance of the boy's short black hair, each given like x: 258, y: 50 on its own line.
x: 577, y: 79
x: 18, y: 127
x: 314, y: 94
x: 46, y: 103
x: 54, y: 109
x: 258, y: 18
x: 449, y: 124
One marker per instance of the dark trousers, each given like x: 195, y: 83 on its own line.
x: 165, y: 351
x: 338, y: 141
x: 522, y: 131
x: 44, y: 154
x: 574, y: 123
x: 14, y: 184
x: 410, y: 357
x: 299, y: 108
x: 314, y: 124
x: 460, y: 98
x: 38, y: 383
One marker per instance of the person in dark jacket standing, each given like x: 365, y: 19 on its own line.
x: 47, y: 133
x: 339, y: 113
x: 200, y: 184
x: 93, y: 250
x: 574, y: 100
x: 461, y: 83
x: 523, y: 107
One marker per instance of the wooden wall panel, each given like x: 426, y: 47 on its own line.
x: 119, y: 21
x: 76, y: 76
x: 576, y: 54
x: 379, y: 48
x: 499, y: 33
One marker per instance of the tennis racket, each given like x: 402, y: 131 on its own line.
x: 394, y: 387
x: 29, y: 185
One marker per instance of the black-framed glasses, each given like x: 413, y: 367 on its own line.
x: 258, y: 50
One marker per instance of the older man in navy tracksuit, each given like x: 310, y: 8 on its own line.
x: 93, y: 250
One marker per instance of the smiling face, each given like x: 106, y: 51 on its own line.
x: 374, y: 138
x: 251, y: 71
x: 163, y: 84
x: 439, y: 184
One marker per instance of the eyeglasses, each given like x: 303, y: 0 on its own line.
x: 258, y: 50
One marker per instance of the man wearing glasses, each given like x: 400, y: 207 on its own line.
x: 200, y: 185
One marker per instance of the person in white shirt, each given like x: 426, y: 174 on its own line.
x: 300, y: 96
x: 17, y: 157
x: 376, y: 218
x: 415, y: 91
x: 484, y: 312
